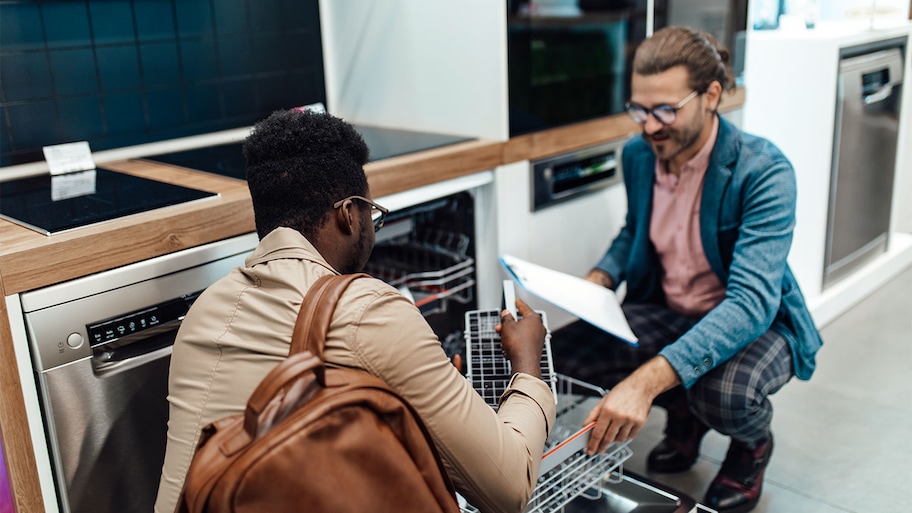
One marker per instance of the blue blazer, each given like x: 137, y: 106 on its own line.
x: 747, y: 216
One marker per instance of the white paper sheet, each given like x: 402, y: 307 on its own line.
x: 592, y: 303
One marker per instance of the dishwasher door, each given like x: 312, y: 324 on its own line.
x: 864, y: 160
x: 101, y: 349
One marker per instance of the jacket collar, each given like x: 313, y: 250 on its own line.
x: 286, y: 243
x: 718, y: 176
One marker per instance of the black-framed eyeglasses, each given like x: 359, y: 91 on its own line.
x: 665, y: 114
x: 378, y: 213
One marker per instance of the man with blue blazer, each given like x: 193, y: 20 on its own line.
x: 720, y: 319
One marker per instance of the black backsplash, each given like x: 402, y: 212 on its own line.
x: 124, y: 72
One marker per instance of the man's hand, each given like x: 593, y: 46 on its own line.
x: 522, y: 340
x: 620, y: 415
x: 600, y: 277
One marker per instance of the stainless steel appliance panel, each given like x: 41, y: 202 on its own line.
x: 563, y: 177
x: 101, y: 357
x: 864, y: 160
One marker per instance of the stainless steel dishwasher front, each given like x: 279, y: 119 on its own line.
x: 101, y: 348
x: 864, y: 158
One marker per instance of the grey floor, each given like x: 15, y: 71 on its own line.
x: 844, y: 438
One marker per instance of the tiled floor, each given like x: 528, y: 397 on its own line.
x: 844, y: 438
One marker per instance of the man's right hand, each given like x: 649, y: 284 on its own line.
x: 600, y: 277
x: 524, y: 340
x: 623, y: 411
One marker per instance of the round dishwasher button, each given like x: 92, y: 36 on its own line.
x: 74, y: 340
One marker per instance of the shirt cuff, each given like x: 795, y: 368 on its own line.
x: 536, y: 390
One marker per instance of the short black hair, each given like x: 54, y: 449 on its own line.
x: 298, y: 164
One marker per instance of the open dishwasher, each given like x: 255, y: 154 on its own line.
x: 569, y: 481
x: 427, y: 250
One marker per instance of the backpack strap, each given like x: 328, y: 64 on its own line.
x: 316, y: 313
x: 309, y: 336
x: 280, y: 377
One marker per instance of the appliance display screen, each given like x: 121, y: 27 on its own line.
x: 574, y: 174
x: 564, y: 69
x: 873, y: 81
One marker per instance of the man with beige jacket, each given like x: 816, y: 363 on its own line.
x: 315, y: 217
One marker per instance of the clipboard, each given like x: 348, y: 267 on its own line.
x: 592, y: 303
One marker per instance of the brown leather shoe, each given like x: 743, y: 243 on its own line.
x: 737, y: 487
x: 679, y: 450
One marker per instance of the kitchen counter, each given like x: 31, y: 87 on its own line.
x: 30, y: 260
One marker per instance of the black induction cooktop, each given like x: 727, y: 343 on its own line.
x: 47, y: 205
x: 228, y: 159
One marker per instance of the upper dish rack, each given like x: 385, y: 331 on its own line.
x: 431, y: 267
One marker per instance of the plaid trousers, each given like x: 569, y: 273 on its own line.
x: 731, y: 398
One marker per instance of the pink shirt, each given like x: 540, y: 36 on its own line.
x: 690, y: 286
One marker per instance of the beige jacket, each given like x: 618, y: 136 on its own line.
x: 241, y: 326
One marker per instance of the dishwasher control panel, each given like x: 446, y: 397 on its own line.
x: 562, y: 177
x: 125, y: 312
x: 139, y: 322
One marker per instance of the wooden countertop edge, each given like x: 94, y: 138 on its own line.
x: 407, y: 172
x: 29, y: 260
x: 14, y: 429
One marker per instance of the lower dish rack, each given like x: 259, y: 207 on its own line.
x: 566, y: 471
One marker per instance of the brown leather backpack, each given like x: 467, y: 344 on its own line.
x: 318, y: 439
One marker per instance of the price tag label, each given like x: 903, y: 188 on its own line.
x: 69, y: 157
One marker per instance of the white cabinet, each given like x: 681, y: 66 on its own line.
x: 791, y: 78
x: 436, y: 67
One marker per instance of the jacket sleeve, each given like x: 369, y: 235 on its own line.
x: 765, y: 194
x: 492, y: 458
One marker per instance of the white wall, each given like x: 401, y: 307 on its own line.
x: 417, y: 64
x: 832, y: 10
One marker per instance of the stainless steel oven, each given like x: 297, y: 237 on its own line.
x: 101, y: 347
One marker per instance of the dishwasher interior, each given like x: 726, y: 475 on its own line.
x: 427, y: 251
x: 569, y: 480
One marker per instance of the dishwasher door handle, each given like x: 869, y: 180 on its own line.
x: 118, y: 366
x: 880, y: 95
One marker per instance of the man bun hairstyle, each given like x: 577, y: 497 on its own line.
x: 298, y: 164
x: 698, y: 51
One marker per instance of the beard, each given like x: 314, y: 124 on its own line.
x: 668, y: 142
x: 671, y: 141
x: 361, y: 252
